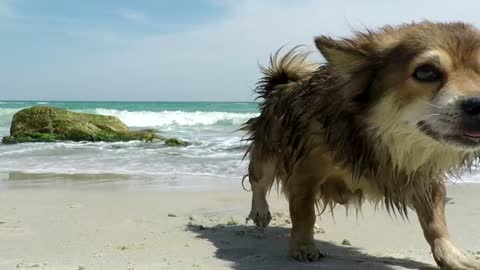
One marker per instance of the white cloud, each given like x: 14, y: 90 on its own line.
x: 133, y: 15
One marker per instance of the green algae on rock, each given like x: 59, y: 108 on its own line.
x: 49, y: 124
x: 175, y: 142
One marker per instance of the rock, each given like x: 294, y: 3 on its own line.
x: 49, y: 124
x: 172, y: 215
x: 175, y: 142
x: 196, y: 227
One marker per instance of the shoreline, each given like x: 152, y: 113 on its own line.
x: 14, y: 180
x: 116, y: 182
x: 185, y: 229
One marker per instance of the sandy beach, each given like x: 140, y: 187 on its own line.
x: 64, y: 228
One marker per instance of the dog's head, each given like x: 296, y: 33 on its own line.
x: 418, y: 80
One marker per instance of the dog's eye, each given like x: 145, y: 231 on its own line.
x: 427, y: 73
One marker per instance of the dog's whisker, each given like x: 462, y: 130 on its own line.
x: 423, y: 118
x: 423, y: 125
x: 428, y: 103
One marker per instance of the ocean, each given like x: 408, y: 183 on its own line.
x: 215, y: 152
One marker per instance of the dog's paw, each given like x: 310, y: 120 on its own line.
x: 261, y: 217
x: 461, y: 262
x: 448, y: 257
x: 306, y: 253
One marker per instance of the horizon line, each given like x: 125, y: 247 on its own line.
x: 139, y: 101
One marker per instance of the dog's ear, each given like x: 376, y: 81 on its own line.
x: 344, y: 55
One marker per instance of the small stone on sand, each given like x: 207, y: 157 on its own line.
x: 449, y: 201
x: 30, y: 265
x: 346, y: 242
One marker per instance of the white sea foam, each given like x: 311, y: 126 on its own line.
x: 215, y: 151
x: 6, y: 115
x: 468, y: 178
x: 201, y: 158
x: 158, y: 119
x: 177, y: 118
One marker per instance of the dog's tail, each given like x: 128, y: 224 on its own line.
x: 282, y: 70
x: 289, y: 68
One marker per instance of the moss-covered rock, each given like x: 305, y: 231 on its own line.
x: 49, y: 124
x: 175, y: 142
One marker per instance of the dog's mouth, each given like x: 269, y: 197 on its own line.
x: 456, y: 137
x: 473, y: 134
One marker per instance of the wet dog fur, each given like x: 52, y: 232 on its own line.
x: 388, y: 117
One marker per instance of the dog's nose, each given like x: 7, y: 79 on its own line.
x: 471, y: 106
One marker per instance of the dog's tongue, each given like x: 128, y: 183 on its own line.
x: 473, y: 134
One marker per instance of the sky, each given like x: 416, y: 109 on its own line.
x: 176, y: 50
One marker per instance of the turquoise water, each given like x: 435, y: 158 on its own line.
x: 146, y: 114
x: 212, y: 128
x: 237, y: 107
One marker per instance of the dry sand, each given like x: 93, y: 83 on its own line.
x: 98, y: 229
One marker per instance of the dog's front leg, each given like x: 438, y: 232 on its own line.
x: 431, y: 213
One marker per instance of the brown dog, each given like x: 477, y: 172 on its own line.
x: 387, y: 118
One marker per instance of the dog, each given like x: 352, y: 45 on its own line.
x: 389, y: 117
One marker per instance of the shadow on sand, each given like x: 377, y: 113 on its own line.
x: 246, y: 247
